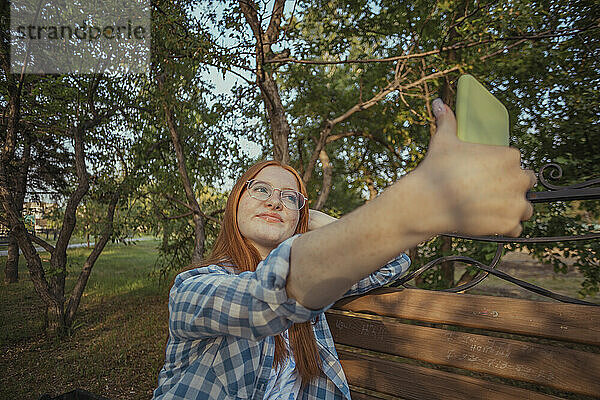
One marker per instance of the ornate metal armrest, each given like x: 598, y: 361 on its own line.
x: 579, y: 191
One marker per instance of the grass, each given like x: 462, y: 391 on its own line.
x: 523, y: 266
x: 117, y: 345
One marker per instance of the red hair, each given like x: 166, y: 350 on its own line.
x: 231, y: 246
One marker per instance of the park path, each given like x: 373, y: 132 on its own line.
x: 71, y: 246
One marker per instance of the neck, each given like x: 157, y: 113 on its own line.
x: 262, y: 250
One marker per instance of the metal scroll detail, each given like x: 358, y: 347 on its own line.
x: 468, y: 260
x: 556, y: 174
x: 579, y: 191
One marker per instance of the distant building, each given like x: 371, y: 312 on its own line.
x: 36, y: 215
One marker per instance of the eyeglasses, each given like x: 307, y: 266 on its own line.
x: 262, y: 191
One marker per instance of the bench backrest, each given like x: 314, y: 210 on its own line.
x: 419, y: 344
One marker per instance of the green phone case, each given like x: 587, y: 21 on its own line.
x: 481, y: 117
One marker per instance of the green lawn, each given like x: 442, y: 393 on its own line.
x: 117, y: 346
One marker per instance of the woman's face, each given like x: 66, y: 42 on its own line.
x: 267, y: 223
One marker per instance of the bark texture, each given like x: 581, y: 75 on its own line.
x: 19, y: 186
x: 192, y: 204
x: 11, y: 269
x: 280, y: 128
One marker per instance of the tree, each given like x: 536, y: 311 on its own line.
x: 80, y: 108
x: 355, y: 78
x: 183, y: 148
x: 39, y: 162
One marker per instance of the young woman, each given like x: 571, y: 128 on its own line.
x: 248, y: 323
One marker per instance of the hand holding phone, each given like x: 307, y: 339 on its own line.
x: 481, y: 118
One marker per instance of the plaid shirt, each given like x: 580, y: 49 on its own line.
x: 222, y: 324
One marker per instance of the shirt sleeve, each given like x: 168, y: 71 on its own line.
x: 210, y: 301
x: 384, y: 275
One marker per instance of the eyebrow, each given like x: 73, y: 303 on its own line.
x: 284, y: 188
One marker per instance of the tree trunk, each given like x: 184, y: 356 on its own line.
x: 466, y: 277
x: 99, y: 244
x: 280, y: 129
x: 192, y: 202
x: 11, y: 171
x: 199, y: 238
x: 447, y: 267
x: 19, y: 183
x: 327, y: 175
x: 54, y: 322
x: 11, y: 270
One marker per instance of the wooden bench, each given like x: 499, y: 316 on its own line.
x: 417, y: 344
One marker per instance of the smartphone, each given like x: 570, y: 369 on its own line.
x: 481, y: 118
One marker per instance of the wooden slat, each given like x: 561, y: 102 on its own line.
x: 414, y: 382
x: 567, y: 322
x: 558, y: 367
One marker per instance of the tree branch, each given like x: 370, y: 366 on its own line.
x: 395, y: 85
x: 175, y: 138
x: 280, y: 129
x: 370, y: 136
x: 327, y: 175
x: 204, y: 215
x: 333, y: 138
x: 249, y: 11
x: 187, y: 214
x: 60, y: 255
x: 198, y: 216
x: 274, y: 27
x: 171, y: 198
x: 495, y: 53
x: 536, y: 36
x: 75, y: 298
x: 38, y: 240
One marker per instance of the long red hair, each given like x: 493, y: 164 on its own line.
x: 231, y: 246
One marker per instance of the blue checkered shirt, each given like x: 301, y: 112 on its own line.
x: 222, y: 327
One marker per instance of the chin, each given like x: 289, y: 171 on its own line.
x: 274, y: 241
x: 266, y: 235
x: 271, y: 239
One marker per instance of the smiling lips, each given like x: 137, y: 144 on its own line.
x: 270, y: 217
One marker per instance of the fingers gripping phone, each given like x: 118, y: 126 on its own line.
x: 481, y: 118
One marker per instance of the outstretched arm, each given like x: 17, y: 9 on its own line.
x: 391, y: 271
x: 460, y: 187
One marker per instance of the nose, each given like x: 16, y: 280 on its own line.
x: 275, y: 200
